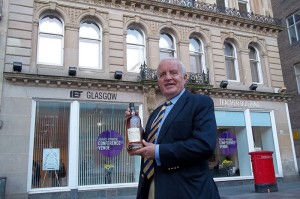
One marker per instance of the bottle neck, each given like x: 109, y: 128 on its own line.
x: 132, y: 110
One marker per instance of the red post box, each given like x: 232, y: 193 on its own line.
x: 263, y: 171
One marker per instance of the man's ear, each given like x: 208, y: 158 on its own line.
x: 185, y: 77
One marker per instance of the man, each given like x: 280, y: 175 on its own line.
x: 184, y: 142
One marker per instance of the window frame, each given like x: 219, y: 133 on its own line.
x: 245, y: 2
x: 235, y: 62
x: 258, y: 65
x: 294, y: 27
x: 98, y: 41
x: 136, y: 46
x: 297, y: 75
x: 167, y: 50
x: 48, y: 35
x: 200, y: 54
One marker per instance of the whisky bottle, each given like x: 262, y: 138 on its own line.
x: 133, y: 130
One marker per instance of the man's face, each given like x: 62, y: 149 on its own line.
x: 170, y: 78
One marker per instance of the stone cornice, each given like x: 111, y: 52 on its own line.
x: 138, y: 86
x: 201, y: 12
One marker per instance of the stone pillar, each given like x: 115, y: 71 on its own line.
x: 71, y: 46
x: 183, y: 54
x: 244, y: 67
x: 153, y: 52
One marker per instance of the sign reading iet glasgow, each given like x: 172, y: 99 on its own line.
x: 93, y: 95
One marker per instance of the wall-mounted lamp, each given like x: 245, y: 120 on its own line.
x: 17, y: 66
x: 118, y: 74
x: 253, y: 87
x: 72, y: 71
x: 223, y: 84
x: 282, y: 89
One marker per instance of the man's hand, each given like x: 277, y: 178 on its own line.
x: 148, y: 151
x: 127, y: 114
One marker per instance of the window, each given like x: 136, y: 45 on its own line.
x: 221, y: 3
x: 50, y: 41
x: 231, y: 62
x: 297, y: 73
x: 293, y: 26
x: 51, y: 135
x: 99, y: 165
x: 255, y: 65
x: 196, y: 56
x: 135, y: 50
x: 90, y: 48
x: 166, y: 46
x: 244, y: 5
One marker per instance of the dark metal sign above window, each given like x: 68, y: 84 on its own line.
x: 93, y: 95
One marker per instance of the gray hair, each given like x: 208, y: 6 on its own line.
x: 182, y: 66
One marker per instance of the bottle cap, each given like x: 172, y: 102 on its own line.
x: 131, y: 105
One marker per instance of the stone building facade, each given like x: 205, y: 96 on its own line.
x: 290, y: 59
x: 71, y: 67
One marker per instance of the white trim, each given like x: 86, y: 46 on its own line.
x: 249, y: 130
x: 276, y: 144
x: 73, y: 145
x: 31, y: 143
x: 291, y: 136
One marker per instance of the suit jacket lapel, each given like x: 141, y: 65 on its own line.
x: 172, y: 115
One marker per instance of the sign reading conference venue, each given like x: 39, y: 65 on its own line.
x: 227, y: 143
x: 110, y: 143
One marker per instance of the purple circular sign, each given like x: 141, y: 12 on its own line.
x: 227, y: 143
x: 110, y: 143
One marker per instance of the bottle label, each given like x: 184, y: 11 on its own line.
x: 134, y: 135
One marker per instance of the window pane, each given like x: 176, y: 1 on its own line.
x: 89, y: 30
x: 89, y: 52
x: 195, y: 55
x: 230, y: 69
x: 134, y: 37
x: 135, y: 50
x: 290, y: 21
x: 229, y: 50
x: 225, y: 161
x: 165, y: 55
x: 50, y: 50
x: 195, y: 63
x: 135, y: 56
x: 243, y: 7
x: 254, y: 71
x: 298, y: 30
x: 51, y: 132
x: 252, y: 53
x: 221, y: 3
x: 94, y: 167
x: 297, y: 73
x: 292, y: 33
x: 166, y: 41
x: 89, y: 45
x: 297, y: 17
x: 51, y: 25
x: 194, y: 45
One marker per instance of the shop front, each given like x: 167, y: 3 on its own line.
x: 245, y: 126
x: 77, y: 135
x: 85, y: 134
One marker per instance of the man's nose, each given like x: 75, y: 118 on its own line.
x: 168, y: 76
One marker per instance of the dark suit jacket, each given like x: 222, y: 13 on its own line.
x: 186, y: 141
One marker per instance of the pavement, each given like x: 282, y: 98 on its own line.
x: 286, y: 190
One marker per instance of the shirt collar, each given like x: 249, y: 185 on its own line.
x: 175, y: 99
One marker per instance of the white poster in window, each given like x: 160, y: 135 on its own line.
x: 51, y: 159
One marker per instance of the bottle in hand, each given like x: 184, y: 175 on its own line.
x: 133, y: 130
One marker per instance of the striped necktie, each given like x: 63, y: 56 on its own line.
x: 148, y: 164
